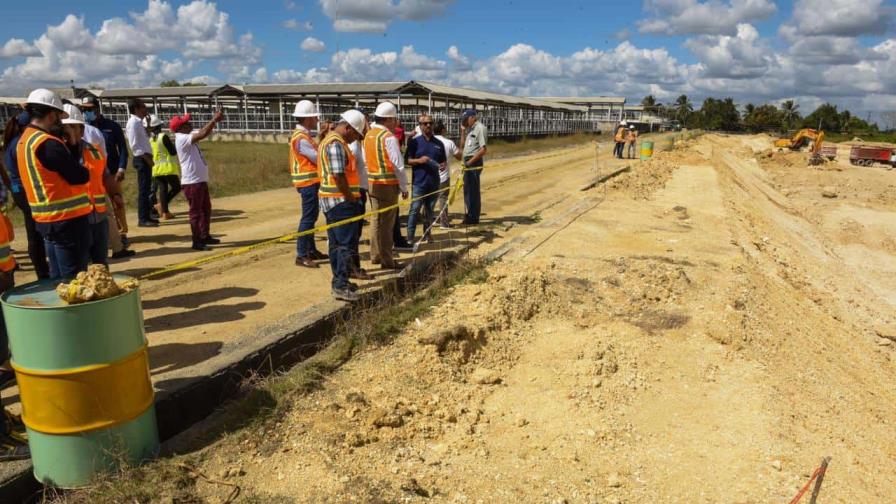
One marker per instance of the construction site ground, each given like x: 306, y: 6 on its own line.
x: 703, y: 328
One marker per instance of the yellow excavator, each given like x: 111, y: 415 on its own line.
x: 815, y: 138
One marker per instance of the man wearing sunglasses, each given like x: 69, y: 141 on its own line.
x: 426, y: 154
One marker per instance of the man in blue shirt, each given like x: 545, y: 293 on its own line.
x: 426, y: 154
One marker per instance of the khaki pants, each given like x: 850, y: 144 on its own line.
x: 114, y: 236
x: 122, y: 219
x: 382, y: 224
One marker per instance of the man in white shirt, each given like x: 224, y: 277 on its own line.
x: 451, y: 150
x: 194, y: 176
x: 385, y: 170
x: 138, y: 139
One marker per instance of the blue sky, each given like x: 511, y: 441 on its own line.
x: 754, y: 50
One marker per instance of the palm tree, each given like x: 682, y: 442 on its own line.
x: 648, y: 102
x: 791, y: 114
x: 749, y: 109
x: 683, y: 107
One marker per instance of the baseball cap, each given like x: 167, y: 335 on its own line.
x: 177, y: 121
x: 89, y: 101
x: 468, y: 113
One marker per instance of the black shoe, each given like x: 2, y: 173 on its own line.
x: 318, y: 255
x: 148, y: 223
x: 200, y: 246
x: 212, y: 241
x: 124, y: 241
x: 121, y: 254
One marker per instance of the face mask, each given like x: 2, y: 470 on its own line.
x: 90, y: 115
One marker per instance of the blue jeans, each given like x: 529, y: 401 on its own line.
x: 428, y: 204
x: 68, y: 247
x: 472, y: 196
x: 99, y: 241
x: 343, y: 240
x: 144, y: 189
x: 310, y: 211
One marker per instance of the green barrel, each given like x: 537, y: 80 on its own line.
x: 87, y: 399
x: 646, y: 150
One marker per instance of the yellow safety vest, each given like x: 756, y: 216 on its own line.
x: 163, y: 163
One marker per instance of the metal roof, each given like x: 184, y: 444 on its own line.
x: 168, y: 92
x: 9, y: 100
x: 590, y: 100
x: 477, y: 95
x: 323, y: 89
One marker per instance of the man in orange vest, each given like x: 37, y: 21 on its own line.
x: 385, y: 171
x: 303, y: 169
x: 339, y: 194
x: 56, y: 185
x: 102, y: 187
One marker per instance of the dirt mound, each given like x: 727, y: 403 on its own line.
x: 646, y: 177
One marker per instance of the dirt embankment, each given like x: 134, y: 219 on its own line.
x: 706, y: 334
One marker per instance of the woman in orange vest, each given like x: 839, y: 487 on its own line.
x: 101, y: 188
x: 56, y: 185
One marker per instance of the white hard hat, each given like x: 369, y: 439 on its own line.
x: 305, y: 108
x: 47, y: 98
x: 632, y: 126
x: 74, y: 115
x: 355, y: 119
x: 386, y: 110
x: 624, y: 122
x: 154, y: 121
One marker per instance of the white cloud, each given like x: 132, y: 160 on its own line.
x: 294, y: 24
x: 740, y: 57
x: 313, y: 45
x: 844, y: 18
x: 412, y: 60
x: 375, y: 15
x: 460, y: 61
x: 692, y: 17
x: 14, y: 48
x: 289, y: 5
x: 157, y: 44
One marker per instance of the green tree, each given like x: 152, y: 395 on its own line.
x: 683, y: 108
x: 717, y: 114
x: 825, y: 117
x: 748, y: 109
x: 763, y: 118
x: 789, y: 114
x: 648, y: 102
x: 169, y: 83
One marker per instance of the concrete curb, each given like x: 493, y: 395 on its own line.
x: 274, y: 350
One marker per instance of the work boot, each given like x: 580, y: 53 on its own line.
x: 306, y: 262
x: 200, y: 246
x: 211, y: 241
x: 318, y: 255
x: 345, y: 295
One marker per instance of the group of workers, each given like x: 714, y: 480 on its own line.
x: 626, y: 138
x: 352, y: 161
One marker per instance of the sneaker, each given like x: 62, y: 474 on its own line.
x: 121, y: 254
x: 212, y: 241
x: 200, y: 246
x: 345, y: 295
x: 148, y: 223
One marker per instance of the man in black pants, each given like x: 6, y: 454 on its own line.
x: 138, y: 139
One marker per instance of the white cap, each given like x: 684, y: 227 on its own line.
x: 305, y: 108
x: 355, y: 119
x: 632, y: 126
x: 154, y: 121
x: 74, y: 115
x: 45, y: 97
x: 386, y: 110
x: 624, y: 122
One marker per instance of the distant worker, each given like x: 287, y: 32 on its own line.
x: 56, y: 186
x: 473, y: 139
x: 632, y: 141
x: 194, y: 176
x: 165, y: 168
x: 340, y: 191
x: 385, y: 168
x: 619, y: 138
x: 138, y: 139
x: 426, y: 154
x: 13, y: 440
x: 451, y: 151
x: 36, y: 249
x: 102, y: 188
x: 306, y: 180
x: 116, y: 163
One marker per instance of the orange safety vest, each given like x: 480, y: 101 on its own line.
x: 302, y: 169
x: 328, y: 187
x: 95, y: 162
x: 7, y: 261
x: 50, y: 197
x: 380, y: 169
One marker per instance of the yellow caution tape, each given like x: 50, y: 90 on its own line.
x: 71, y: 401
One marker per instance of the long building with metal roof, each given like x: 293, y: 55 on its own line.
x: 267, y: 108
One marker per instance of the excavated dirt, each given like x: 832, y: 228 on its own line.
x: 707, y: 333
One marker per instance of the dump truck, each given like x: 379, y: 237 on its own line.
x: 867, y: 155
